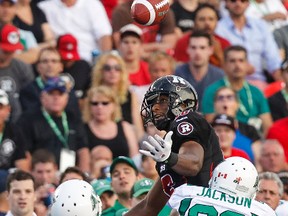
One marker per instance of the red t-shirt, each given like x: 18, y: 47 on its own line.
x: 279, y: 131
x: 109, y: 5
x: 180, y: 53
x: 239, y: 153
x: 142, y: 76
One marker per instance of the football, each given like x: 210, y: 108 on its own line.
x: 149, y: 12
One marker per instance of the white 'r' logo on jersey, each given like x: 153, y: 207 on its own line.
x: 185, y: 128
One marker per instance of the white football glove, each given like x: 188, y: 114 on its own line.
x: 157, y: 148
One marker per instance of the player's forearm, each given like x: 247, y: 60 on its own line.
x: 190, y: 159
x: 188, y: 165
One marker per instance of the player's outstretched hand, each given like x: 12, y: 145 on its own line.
x: 157, y: 148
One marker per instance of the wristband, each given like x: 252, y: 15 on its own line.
x: 172, y: 160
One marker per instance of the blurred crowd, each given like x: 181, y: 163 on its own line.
x: 73, y: 74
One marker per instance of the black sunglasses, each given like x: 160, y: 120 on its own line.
x: 96, y: 103
x: 107, y: 67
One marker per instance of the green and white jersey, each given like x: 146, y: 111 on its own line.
x: 191, y: 200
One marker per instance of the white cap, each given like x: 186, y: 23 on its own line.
x: 3, y: 98
x: 131, y: 28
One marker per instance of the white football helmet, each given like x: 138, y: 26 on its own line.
x: 75, y: 198
x: 235, y: 176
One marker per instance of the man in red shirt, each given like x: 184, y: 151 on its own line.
x: 206, y: 18
x: 159, y: 37
x: 130, y: 47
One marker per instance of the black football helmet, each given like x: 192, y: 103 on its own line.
x: 181, y: 96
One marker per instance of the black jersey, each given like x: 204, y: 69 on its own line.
x: 191, y: 126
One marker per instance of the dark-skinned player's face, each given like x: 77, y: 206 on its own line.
x: 160, y: 107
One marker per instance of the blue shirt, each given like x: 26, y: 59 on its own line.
x: 213, y: 74
x: 257, y: 39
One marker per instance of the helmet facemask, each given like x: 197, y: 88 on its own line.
x: 175, y: 106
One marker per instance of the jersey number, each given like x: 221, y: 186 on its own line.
x: 203, y: 210
x: 167, y: 184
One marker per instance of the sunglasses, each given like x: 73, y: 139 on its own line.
x: 228, y: 97
x: 107, y: 67
x: 46, y: 61
x: 97, y: 103
x: 243, y: 1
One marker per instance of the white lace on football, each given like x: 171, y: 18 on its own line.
x: 161, y: 4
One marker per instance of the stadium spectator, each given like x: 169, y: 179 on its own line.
x: 101, y: 159
x: 30, y: 50
x: 247, y: 138
x: 48, y: 66
x: 270, y: 192
x: 184, y: 12
x: 44, y: 170
x: 254, y: 35
x: 14, y: 74
x: 103, y: 189
x: 130, y: 49
x: 206, y: 18
x: 92, y: 31
x: 21, y: 189
x: 284, y: 178
x: 272, y: 11
x: 30, y: 18
x: 12, y: 144
x: 4, y: 205
x: 52, y: 128
x: 160, y: 37
x: 124, y: 174
x: 278, y: 102
x: 148, y: 168
x: 282, y: 41
x: 110, y: 70
x: 253, y: 107
x: 104, y: 126
x: 225, y: 129
x: 73, y: 173
x: 198, y: 71
x: 272, y: 157
x: 79, y: 69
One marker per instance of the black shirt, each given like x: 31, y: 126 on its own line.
x: 38, y: 133
x: 118, y: 144
x: 191, y: 126
x: 278, y: 106
x: 12, y: 146
x: 126, y: 109
x: 184, y: 19
x: 38, y: 19
x: 81, y: 73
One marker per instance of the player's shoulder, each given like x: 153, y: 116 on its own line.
x: 260, y: 208
x: 282, y: 208
x: 190, y: 117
